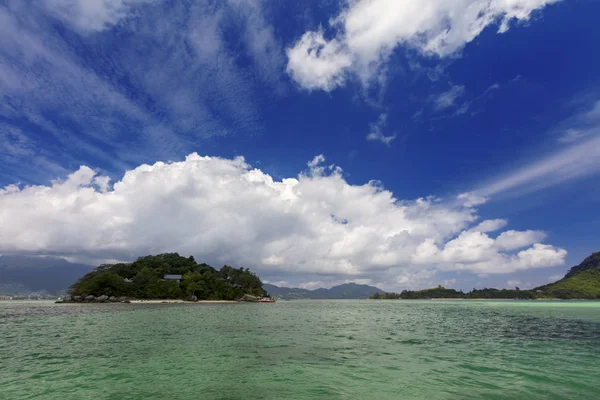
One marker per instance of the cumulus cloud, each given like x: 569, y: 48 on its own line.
x: 367, y: 31
x: 471, y: 199
x: 490, y: 225
x: 315, y: 63
x: 225, y: 211
x: 477, y: 252
x: 513, y: 240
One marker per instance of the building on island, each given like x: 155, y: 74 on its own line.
x: 172, y: 277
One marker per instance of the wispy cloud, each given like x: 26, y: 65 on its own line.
x: 581, y: 126
x: 90, y: 15
x: 563, y: 165
x: 134, y: 79
x: 578, y: 156
x: 376, y: 131
x: 448, y: 99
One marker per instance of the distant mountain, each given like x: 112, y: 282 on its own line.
x: 21, y: 274
x: 281, y: 292
x: 345, y: 291
x: 581, y: 282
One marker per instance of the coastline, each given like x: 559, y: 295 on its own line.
x: 177, y: 301
x: 123, y: 299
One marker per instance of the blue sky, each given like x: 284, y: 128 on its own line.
x: 483, y: 110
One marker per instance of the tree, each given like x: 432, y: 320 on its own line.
x: 146, y: 274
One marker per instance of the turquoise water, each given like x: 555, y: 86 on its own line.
x: 301, y: 350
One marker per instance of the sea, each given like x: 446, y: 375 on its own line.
x: 347, y: 349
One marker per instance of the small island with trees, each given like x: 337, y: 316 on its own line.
x: 165, y: 277
x: 582, y: 282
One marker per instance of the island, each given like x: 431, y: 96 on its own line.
x: 165, y: 277
x: 582, y: 282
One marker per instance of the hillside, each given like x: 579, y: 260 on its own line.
x: 168, y: 276
x: 581, y: 282
x: 441, y: 292
x: 345, y: 291
x: 25, y: 274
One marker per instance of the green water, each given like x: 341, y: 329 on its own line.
x: 301, y: 350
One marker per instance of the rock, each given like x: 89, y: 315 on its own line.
x: 122, y: 299
x: 112, y: 299
x: 193, y: 298
x: 66, y: 299
x: 77, y: 298
x: 89, y: 298
x: 249, y: 298
x: 102, y: 299
x: 125, y: 301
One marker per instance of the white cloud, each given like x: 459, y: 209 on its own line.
x: 513, y: 240
x: 315, y: 63
x: 563, y: 165
x: 261, y: 41
x: 477, y: 252
x: 316, y: 161
x: 183, y: 48
x: 447, y: 99
x: 367, y: 31
x: 376, y: 132
x: 581, y: 126
x: 572, y: 135
x: 91, y: 15
x: 556, y: 277
x: 512, y: 283
x: 577, y: 157
x: 224, y: 211
x: 490, y: 225
x: 449, y: 283
x: 471, y: 199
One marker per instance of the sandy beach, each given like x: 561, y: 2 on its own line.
x: 159, y: 301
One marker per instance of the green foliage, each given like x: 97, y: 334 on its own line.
x: 582, y: 285
x: 143, y: 279
x: 581, y: 282
x: 442, y: 293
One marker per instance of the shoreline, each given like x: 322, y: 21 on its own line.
x: 176, y: 301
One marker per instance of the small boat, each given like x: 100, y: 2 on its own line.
x: 267, y: 300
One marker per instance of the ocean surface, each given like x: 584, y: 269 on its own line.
x: 301, y: 350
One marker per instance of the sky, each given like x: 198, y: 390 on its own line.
x: 399, y: 143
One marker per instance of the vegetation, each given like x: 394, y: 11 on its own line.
x: 581, y: 282
x: 143, y: 279
x: 441, y: 292
x: 583, y: 285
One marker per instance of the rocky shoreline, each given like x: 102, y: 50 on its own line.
x: 123, y: 299
x: 92, y: 299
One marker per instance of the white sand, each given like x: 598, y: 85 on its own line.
x: 179, y: 301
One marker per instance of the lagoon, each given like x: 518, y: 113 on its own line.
x: 348, y: 349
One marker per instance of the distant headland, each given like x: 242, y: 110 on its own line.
x: 582, y: 282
